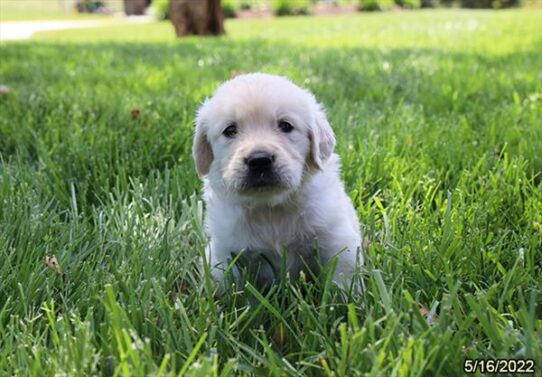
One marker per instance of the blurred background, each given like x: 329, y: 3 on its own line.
x: 36, y: 9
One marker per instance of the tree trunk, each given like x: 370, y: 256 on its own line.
x: 199, y: 17
x: 135, y: 7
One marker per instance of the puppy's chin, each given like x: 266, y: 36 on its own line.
x: 268, y: 196
x: 263, y: 190
x: 255, y: 190
x: 262, y: 181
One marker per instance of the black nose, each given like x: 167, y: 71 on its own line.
x: 259, y: 160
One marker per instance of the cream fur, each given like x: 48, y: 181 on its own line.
x: 308, y: 207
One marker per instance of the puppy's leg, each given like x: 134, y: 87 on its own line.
x: 349, y: 258
x: 348, y: 262
x: 217, y: 263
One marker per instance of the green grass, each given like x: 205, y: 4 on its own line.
x: 438, y: 120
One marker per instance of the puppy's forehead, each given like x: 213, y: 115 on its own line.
x: 260, y: 95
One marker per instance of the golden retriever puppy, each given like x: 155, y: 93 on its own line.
x: 264, y: 149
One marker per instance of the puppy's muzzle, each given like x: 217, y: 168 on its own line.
x: 260, y: 170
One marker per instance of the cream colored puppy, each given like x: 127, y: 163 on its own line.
x: 264, y: 149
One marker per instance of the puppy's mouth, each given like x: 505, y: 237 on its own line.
x: 261, y: 181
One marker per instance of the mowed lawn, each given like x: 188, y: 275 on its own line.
x: 438, y: 116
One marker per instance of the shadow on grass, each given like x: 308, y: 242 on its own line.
x: 70, y: 109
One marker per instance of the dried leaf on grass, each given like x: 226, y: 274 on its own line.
x: 136, y: 113
x: 53, y: 264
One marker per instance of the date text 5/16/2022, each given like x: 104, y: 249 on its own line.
x: 471, y: 366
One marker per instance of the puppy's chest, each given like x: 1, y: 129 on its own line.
x: 271, y: 230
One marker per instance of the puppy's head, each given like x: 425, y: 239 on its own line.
x: 259, y: 136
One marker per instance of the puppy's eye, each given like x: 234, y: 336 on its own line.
x: 230, y: 131
x: 285, y: 126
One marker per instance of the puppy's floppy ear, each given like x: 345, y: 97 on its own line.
x: 201, y: 149
x: 322, y: 139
